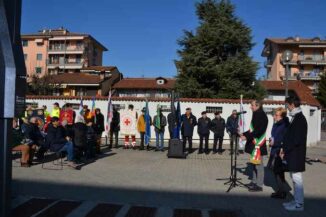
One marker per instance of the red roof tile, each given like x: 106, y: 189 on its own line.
x: 75, y: 78
x: 293, y: 40
x: 144, y: 83
x: 99, y: 68
x: 301, y: 90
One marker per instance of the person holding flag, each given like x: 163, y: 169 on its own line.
x: 143, y: 123
x: 159, y: 126
x: 256, y: 145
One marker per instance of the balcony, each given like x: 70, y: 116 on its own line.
x: 308, y: 60
x: 308, y: 76
x: 64, y: 64
x: 66, y: 49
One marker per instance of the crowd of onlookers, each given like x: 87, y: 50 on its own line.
x: 79, y: 137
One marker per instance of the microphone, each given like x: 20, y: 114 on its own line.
x: 243, y: 112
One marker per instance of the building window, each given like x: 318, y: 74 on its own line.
x: 38, y: 70
x: 25, y: 43
x: 25, y: 56
x: 160, y: 81
x: 165, y: 108
x: 119, y: 106
x: 211, y: 109
x: 39, y: 56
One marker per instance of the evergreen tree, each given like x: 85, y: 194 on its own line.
x: 322, y: 90
x: 214, y: 61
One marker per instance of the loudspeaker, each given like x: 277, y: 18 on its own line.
x: 176, y: 149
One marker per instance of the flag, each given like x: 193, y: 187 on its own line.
x: 81, y: 112
x: 147, y: 125
x: 176, y: 133
x: 158, y: 118
x: 109, y: 114
x: 241, y: 125
x: 93, y: 113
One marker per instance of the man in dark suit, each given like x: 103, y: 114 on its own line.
x: 188, y: 122
x: 256, y: 145
x: 294, y: 152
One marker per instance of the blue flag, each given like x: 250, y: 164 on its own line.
x: 176, y: 133
x: 147, y: 125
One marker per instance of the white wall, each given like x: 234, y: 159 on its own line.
x: 313, y: 121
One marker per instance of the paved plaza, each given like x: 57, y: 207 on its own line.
x: 130, y: 179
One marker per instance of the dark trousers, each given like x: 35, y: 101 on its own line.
x: 116, y: 138
x: 142, y: 137
x: 184, y: 140
x: 171, y: 134
x: 203, y: 137
x: 218, y: 139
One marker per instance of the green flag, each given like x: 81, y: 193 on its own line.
x: 158, y: 118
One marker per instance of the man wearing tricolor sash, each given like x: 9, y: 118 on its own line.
x: 256, y: 145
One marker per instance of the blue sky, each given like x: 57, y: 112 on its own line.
x: 141, y: 35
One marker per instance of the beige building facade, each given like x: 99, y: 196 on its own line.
x: 57, y: 51
x: 308, y: 63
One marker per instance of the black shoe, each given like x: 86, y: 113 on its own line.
x: 250, y: 185
x: 141, y: 148
x: 278, y: 195
x: 147, y: 147
x: 255, y: 188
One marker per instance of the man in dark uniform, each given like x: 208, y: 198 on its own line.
x: 232, y: 129
x: 188, y: 122
x: 115, y: 128
x: 204, y: 124
x: 218, y: 128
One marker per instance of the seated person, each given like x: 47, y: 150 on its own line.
x: 91, y: 141
x: 80, y: 136
x: 58, y: 142
x: 17, y: 145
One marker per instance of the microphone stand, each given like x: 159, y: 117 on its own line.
x: 233, y: 180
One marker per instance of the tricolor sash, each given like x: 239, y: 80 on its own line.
x: 255, y: 156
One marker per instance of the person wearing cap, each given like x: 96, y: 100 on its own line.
x: 159, y: 127
x: 115, y: 128
x: 232, y: 129
x: 204, y: 124
x: 56, y: 110
x: 218, y: 128
x: 141, y: 127
x: 188, y: 122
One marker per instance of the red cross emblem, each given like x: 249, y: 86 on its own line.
x: 127, y: 122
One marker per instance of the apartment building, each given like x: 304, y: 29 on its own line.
x: 56, y: 51
x: 308, y: 61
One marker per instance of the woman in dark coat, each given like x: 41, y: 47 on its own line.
x: 98, y: 126
x: 254, y: 137
x: 276, y: 142
x: 80, y: 136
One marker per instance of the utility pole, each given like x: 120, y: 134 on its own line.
x: 12, y: 99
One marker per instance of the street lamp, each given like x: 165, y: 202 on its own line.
x: 286, y: 58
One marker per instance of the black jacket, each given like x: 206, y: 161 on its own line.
x: 259, y: 122
x: 295, y: 143
x: 32, y: 134
x: 55, y: 138
x: 80, y: 134
x: 187, y: 125
x: 218, y: 126
x: 232, y: 125
x: 99, y: 124
x: 115, y: 123
x: 162, y: 122
x: 204, y: 125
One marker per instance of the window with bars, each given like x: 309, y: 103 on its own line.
x: 212, y: 109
